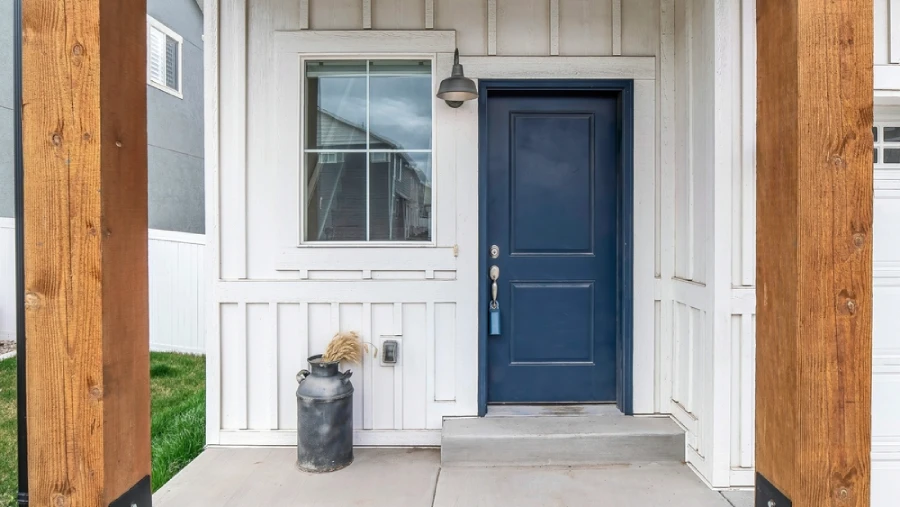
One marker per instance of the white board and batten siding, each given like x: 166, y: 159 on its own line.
x: 713, y: 195
x: 886, y: 339
x: 177, y: 289
x: 274, y: 302
x: 887, y: 51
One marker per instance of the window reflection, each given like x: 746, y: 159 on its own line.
x: 336, y: 197
x: 400, y: 103
x: 368, y: 151
x: 400, y: 196
x: 336, y: 94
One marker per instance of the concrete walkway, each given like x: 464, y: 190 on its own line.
x: 266, y: 477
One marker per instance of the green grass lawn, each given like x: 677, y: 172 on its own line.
x: 178, y: 418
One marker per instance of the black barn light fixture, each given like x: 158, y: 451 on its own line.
x: 457, y: 88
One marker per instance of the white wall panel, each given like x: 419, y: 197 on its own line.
x: 585, y: 27
x: 261, y: 357
x: 682, y: 164
x: 234, y: 365
x: 743, y: 375
x: 333, y: 14
x: 885, y: 486
x: 640, y: 27
x: 382, y: 391
x: 444, y: 352
x: 523, y: 27
x: 413, y: 363
x: 292, y: 354
x: 398, y: 14
x: 468, y: 18
x: 233, y: 149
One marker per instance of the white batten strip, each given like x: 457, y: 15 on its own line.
x: 748, y: 144
x: 273, y: 365
x: 304, y: 14
x: 367, y: 14
x: 368, y: 370
x: 554, y: 27
x: 895, y: 31
x: 492, y: 27
x: 617, y: 27
x: 243, y: 396
x: 234, y: 133
x: 211, y: 184
x: 429, y: 14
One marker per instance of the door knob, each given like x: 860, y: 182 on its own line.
x: 495, y: 275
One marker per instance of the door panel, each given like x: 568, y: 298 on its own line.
x: 552, y: 208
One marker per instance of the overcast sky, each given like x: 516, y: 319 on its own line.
x: 400, y: 106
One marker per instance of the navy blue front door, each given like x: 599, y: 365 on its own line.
x: 552, y: 209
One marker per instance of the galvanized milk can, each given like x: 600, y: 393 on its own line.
x: 324, y: 417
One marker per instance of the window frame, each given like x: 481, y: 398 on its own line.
x: 153, y: 23
x: 880, y: 145
x: 304, y: 150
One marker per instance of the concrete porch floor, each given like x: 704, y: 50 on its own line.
x: 267, y: 477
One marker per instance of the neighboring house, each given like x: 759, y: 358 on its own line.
x: 317, y: 104
x: 175, y: 172
x: 400, y: 192
x: 175, y: 115
x: 7, y: 227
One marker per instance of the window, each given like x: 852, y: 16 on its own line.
x: 331, y: 158
x: 887, y: 145
x: 163, y: 57
x: 368, y: 163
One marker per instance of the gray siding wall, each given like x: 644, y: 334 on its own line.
x: 174, y: 125
x: 175, y: 128
x: 6, y: 112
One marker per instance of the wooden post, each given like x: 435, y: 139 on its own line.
x: 814, y: 252
x: 85, y: 194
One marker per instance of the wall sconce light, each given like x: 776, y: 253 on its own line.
x: 457, y: 88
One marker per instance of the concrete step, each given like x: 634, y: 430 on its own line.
x: 582, y: 440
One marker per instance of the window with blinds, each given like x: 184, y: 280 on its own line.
x: 163, y: 57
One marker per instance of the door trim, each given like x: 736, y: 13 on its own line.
x: 625, y: 222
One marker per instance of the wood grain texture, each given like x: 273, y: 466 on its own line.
x: 814, y: 249
x: 85, y: 152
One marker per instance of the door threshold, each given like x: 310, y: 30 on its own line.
x: 552, y: 410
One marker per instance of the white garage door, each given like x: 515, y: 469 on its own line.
x: 886, y: 339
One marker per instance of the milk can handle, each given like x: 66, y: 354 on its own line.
x: 301, y: 375
x: 346, y: 374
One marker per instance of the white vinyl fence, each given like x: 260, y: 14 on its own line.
x: 177, y: 290
x: 7, y: 279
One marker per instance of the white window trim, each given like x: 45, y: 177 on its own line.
x: 154, y: 23
x: 884, y: 170
x: 304, y: 58
x: 291, y: 47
